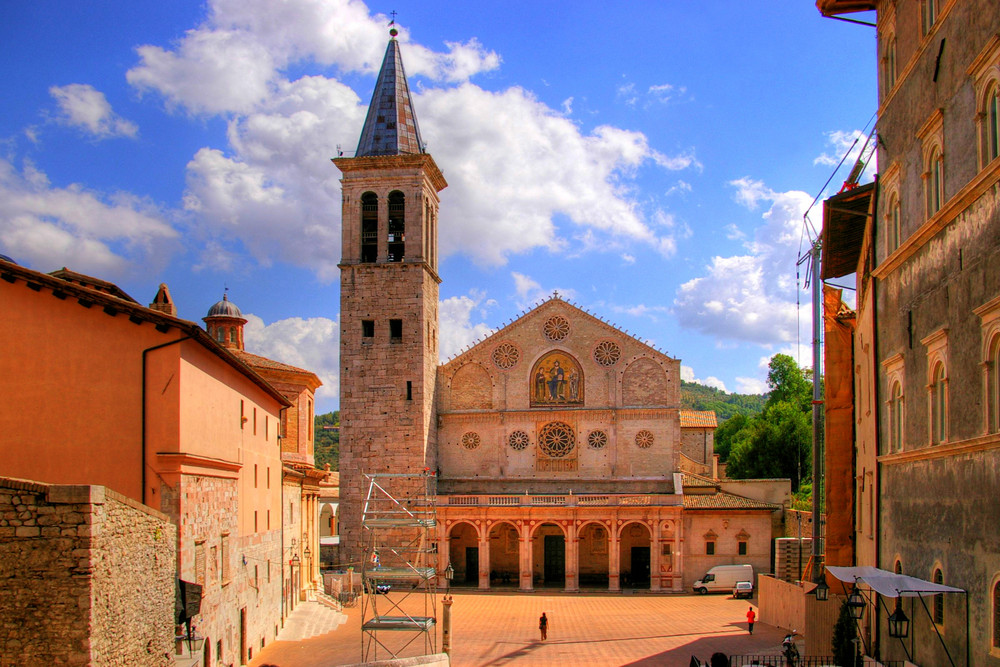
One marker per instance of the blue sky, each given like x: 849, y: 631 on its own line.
x: 651, y: 161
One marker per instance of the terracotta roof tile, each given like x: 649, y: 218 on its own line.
x: 698, y: 419
x: 724, y: 501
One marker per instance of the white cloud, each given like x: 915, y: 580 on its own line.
x: 687, y: 374
x: 530, y: 292
x: 457, y: 329
x: 849, y: 144
x: 642, y: 310
x: 83, y: 106
x: 752, y: 297
x: 312, y: 344
x: 272, y: 191
x: 104, y: 234
x: 746, y: 385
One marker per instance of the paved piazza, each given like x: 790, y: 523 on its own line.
x: 502, y: 629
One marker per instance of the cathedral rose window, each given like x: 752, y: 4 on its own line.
x: 518, y: 440
x: 556, y: 439
x: 607, y: 353
x: 556, y: 328
x: 644, y: 439
x: 597, y: 439
x: 470, y: 440
x: 506, y: 355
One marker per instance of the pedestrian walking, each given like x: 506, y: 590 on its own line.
x: 543, y: 625
x: 751, y: 617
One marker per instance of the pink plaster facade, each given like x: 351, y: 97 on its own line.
x: 113, y: 393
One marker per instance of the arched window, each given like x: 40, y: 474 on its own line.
x: 397, y: 226
x: 996, y: 615
x: 898, y: 567
x: 991, y: 129
x: 934, y: 181
x: 889, y: 63
x: 895, y: 224
x: 993, y: 386
x: 929, y: 14
x: 233, y: 335
x: 939, y: 598
x: 220, y: 334
x: 939, y: 406
x: 369, y: 227
x: 896, y: 417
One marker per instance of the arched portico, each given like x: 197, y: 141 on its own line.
x: 463, y: 553
x: 593, y: 557
x: 504, y: 558
x: 634, y: 556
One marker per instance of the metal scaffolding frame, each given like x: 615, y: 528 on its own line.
x: 398, y: 575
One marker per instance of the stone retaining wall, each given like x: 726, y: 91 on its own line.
x: 86, y: 577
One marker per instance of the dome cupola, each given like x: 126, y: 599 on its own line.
x: 225, y: 323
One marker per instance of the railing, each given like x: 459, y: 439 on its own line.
x: 775, y: 660
x: 560, y: 500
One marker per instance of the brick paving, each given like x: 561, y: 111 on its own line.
x: 502, y: 629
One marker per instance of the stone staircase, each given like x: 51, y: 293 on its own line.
x: 312, y: 618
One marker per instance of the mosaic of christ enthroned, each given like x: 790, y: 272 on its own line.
x: 556, y: 379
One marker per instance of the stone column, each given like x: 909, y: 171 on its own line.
x: 614, y: 560
x: 655, y: 577
x: 678, y: 556
x: 572, y: 564
x: 484, y: 559
x: 525, y: 557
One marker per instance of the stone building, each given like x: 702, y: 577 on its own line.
x: 87, y: 576
x: 919, y: 357
x: 134, y: 399
x: 299, y: 477
x: 555, y: 446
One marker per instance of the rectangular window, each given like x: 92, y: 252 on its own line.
x: 224, y: 570
x: 395, y: 331
x: 243, y: 418
x: 267, y: 428
x: 199, y: 563
x: 742, y: 548
x: 269, y: 477
x: 255, y: 421
x: 667, y: 549
x: 409, y: 390
x: 255, y: 521
x: 269, y: 519
x: 367, y: 328
x: 709, y: 548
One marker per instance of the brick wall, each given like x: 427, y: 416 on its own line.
x: 86, y: 577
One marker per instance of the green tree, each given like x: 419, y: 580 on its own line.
x: 776, y: 443
x: 725, y: 433
x: 326, y: 444
x: 788, y: 382
x: 842, y: 645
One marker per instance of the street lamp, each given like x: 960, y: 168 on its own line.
x: 449, y: 574
x: 856, y: 603
x: 822, y: 591
x: 899, y: 624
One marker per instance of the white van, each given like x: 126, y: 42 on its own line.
x: 723, y: 578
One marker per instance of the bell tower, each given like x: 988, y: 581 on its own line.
x: 388, y: 298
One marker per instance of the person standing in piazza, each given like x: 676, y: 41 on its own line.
x: 543, y: 625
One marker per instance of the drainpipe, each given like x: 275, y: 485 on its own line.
x: 143, y: 438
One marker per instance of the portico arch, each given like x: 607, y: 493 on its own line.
x: 594, y: 555
x: 548, y: 554
x: 505, y: 554
x: 634, y: 554
x: 463, y: 549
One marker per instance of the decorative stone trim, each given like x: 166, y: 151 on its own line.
x: 644, y: 439
x: 506, y: 356
x: 597, y: 439
x: 471, y: 440
x: 556, y: 328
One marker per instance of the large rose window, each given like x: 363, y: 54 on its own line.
x: 556, y: 440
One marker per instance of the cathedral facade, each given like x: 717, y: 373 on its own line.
x: 555, y: 448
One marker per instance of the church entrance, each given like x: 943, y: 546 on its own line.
x: 463, y: 553
x: 548, y: 547
x: 505, y: 556
x: 635, y: 542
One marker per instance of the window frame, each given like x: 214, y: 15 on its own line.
x: 985, y: 74
x: 937, y: 386
x: 989, y: 315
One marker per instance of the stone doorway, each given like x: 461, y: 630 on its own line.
x: 549, y: 555
x: 634, y: 556
x: 463, y: 551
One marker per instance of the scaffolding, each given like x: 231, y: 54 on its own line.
x: 398, y: 575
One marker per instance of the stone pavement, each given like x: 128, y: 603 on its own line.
x: 584, y: 629
x: 310, y: 619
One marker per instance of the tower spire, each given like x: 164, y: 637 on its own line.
x: 391, y: 125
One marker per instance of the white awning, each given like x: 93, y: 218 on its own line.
x: 889, y: 584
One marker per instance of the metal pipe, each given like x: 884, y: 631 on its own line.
x: 143, y: 435
x: 817, y: 404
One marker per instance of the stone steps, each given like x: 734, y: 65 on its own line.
x: 311, y: 619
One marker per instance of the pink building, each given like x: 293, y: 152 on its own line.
x: 102, y: 390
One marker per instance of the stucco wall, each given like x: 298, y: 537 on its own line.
x: 86, y: 577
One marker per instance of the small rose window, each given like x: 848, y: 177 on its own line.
x: 470, y: 440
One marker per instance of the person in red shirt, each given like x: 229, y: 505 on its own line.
x: 751, y: 617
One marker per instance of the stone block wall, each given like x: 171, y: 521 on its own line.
x: 86, y: 577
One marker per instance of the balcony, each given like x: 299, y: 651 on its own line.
x: 558, y: 500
